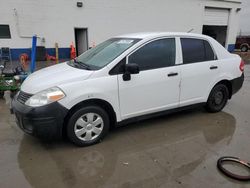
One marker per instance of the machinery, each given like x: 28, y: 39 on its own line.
x: 12, y: 79
x: 9, y: 81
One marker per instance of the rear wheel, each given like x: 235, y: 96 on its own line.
x: 88, y: 126
x: 218, y: 98
x: 244, y: 48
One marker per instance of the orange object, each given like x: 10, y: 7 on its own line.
x: 72, y: 51
x: 23, y: 58
x: 50, y: 58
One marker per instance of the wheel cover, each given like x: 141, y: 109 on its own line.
x: 89, y: 126
x: 218, y: 97
x: 244, y: 48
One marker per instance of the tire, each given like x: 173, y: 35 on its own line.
x: 231, y: 174
x: 92, y: 124
x: 217, y: 99
x: 1, y: 94
x: 244, y: 48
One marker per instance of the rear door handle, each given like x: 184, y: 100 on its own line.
x: 213, y: 67
x: 172, y: 74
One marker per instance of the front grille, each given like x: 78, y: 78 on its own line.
x: 23, y: 97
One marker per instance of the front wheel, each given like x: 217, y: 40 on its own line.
x: 218, y: 98
x: 88, y: 125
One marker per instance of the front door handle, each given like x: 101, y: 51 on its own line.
x: 172, y: 74
x: 213, y: 67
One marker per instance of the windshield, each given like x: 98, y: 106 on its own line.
x: 103, y: 54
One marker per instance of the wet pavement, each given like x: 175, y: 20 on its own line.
x: 177, y: 150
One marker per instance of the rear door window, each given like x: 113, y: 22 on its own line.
x: 196, y: 50
x: 209, y: 52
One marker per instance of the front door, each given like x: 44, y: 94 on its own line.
x: 156, y: 87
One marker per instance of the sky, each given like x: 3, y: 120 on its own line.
x: 245, y: 17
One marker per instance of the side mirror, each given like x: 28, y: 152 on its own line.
x: 130, y: 68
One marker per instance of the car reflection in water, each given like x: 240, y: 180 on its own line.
x: 150, y: 153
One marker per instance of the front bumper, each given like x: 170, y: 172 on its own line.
x: 44, y: 122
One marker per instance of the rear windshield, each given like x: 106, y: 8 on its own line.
x: 104, y: 53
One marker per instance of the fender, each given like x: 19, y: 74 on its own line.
x: 219, y: 79
x: 98, y: 88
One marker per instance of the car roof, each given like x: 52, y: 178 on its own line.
x: 149, y: 35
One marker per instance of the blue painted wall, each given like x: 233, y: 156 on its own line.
x: 16, y: 52
x: 64, y: 53
x: 231, y: 47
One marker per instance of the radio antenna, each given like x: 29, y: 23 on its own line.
x: 190, y: 30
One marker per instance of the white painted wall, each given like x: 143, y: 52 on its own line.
x: 233, y: 22
x: 244, y: 18
x: 55, y: 19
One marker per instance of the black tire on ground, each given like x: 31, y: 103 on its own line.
x: 1, y: 94
x: 244, y: 48
x: 81, y: 113
x: 217, y: 99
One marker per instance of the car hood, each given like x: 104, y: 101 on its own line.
x: 53, y: 76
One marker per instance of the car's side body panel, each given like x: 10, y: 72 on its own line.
x: 193, y: 84
x: 152, y: 91
x: 195, y: 80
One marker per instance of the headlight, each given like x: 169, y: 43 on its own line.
x: 45, y: 97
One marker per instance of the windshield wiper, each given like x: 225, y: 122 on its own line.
x: 82, y: 65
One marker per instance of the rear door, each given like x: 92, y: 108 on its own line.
x: 156, y: 87
x: 198, y: 71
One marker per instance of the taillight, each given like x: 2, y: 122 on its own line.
x: 242, y: 65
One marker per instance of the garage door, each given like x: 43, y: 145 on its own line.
x: 216, y: 16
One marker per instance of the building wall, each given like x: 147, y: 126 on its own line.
x: 244, y: 18
x: 233, y: 23
x: 55, y: 20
